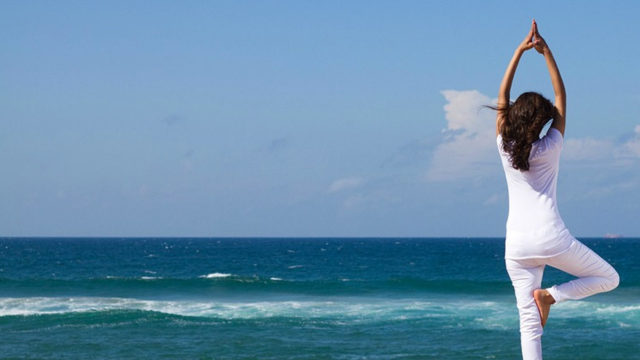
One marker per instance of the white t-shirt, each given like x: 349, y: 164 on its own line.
x: 534, y: 226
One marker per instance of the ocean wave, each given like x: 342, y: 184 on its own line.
x: 227, y: 283
x: 220, y: 286
x: 470, y: 313
x: 150, y: 277
x: 572, y: 309
x: 214, y: 275
x: 355, y: 309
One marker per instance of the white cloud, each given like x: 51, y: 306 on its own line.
x: 607, y: 190
x: 469, y: 147
x: 345, y: 183
x: 494, y: 199
x: 632, y: 146
x: 587, y: 149
x: 463, y: 110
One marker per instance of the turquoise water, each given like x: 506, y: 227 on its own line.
x: 288, y: 298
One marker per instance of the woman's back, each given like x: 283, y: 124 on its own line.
x: 534, y: 225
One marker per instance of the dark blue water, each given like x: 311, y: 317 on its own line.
x: 287, y: 298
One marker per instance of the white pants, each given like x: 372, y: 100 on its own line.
x: 594, y: 274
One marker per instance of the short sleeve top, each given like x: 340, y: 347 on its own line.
x: 534, y: 226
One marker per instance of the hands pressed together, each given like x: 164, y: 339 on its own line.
x: 534, y: 40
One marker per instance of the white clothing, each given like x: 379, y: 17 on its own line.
x: 595, y: 276
x: 534, y: 226
x: 537, y: 236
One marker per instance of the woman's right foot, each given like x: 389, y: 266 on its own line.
x: 544, y: 300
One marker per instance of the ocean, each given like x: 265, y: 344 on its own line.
x: 294, y: 298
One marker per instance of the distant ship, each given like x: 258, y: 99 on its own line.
x: 612, y: 236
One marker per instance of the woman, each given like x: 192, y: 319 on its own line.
x: 535, y: 233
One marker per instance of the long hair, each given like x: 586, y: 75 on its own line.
x: 523, y: 122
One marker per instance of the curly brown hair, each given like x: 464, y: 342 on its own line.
x: 523, y: 122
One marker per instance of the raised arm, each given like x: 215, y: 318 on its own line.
x: 507, y: 79
x: 556, y: 80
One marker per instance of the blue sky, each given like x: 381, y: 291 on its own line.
x: 302, y: 118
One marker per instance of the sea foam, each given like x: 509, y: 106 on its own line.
x: 360, y: 309
x: 215, y: 275
x: 469, y: 313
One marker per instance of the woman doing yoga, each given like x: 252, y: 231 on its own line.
x: 536, y: 236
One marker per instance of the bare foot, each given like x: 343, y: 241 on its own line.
x: 543, y: 302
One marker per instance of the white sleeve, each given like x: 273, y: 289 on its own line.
x: 553, y: 139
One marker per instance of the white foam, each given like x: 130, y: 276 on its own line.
x: 215, y: 275
x: 571, y: 309
x: 470, y: 313
x: 361, y: 309
x: 612, y: 309
x: 295, y: 266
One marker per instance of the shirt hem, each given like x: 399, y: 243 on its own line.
x: 541, y: 256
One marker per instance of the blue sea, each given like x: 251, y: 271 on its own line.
x: 294, y: 298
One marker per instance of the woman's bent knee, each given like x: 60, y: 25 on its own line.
x: 613, y: 281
